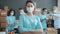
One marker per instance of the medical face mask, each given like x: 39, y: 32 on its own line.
x: 44, y: 13
x: 30, y: 9
x: 55, y: 11
x: 22, y: 13
x: 12, y: 14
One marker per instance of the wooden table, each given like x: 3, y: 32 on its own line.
x: 31, y: 33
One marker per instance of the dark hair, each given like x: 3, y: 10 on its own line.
x: 20, y: 8
x: 44, y: 9
x: 8, y: 13
x: 48, y: 12
x: 29, y: 1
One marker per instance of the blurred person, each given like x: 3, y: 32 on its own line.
x: 43, y: 18
x: 10, y: 18
x: 56, y: 18
x: 4, y: 11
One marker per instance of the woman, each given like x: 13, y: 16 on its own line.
x: 56, y: 18
x: 29, y: 22
x: 10, y: 20
x: 21, y: 11
x: 43, y: 18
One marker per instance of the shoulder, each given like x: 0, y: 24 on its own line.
x: 37, y: 17
x: 7, y: 16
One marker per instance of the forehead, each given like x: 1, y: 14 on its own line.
x: 12, y: 11
x: 30, y: 4
x: 21, y: 10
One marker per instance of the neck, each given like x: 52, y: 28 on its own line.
x: 30, y: 14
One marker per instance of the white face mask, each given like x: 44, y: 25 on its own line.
x: 30, y: 9
x: 12, y: 14
x: 22, y: 13
x: 55, y: 11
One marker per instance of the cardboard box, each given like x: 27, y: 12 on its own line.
x: 51, y: 31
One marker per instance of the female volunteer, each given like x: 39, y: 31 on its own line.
x: 29, y: 22
x: 43, y: 18
x: 56, y: 17
x: 10, y: 20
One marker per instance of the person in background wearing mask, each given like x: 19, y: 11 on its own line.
x: 29, y: 22
x: 10, y: 18
x: 44, y: 10
x: 21, y: 11
x: 37, y: 11
x: 43, y: 19
x: 56, y: 18
x: 55, y: 9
